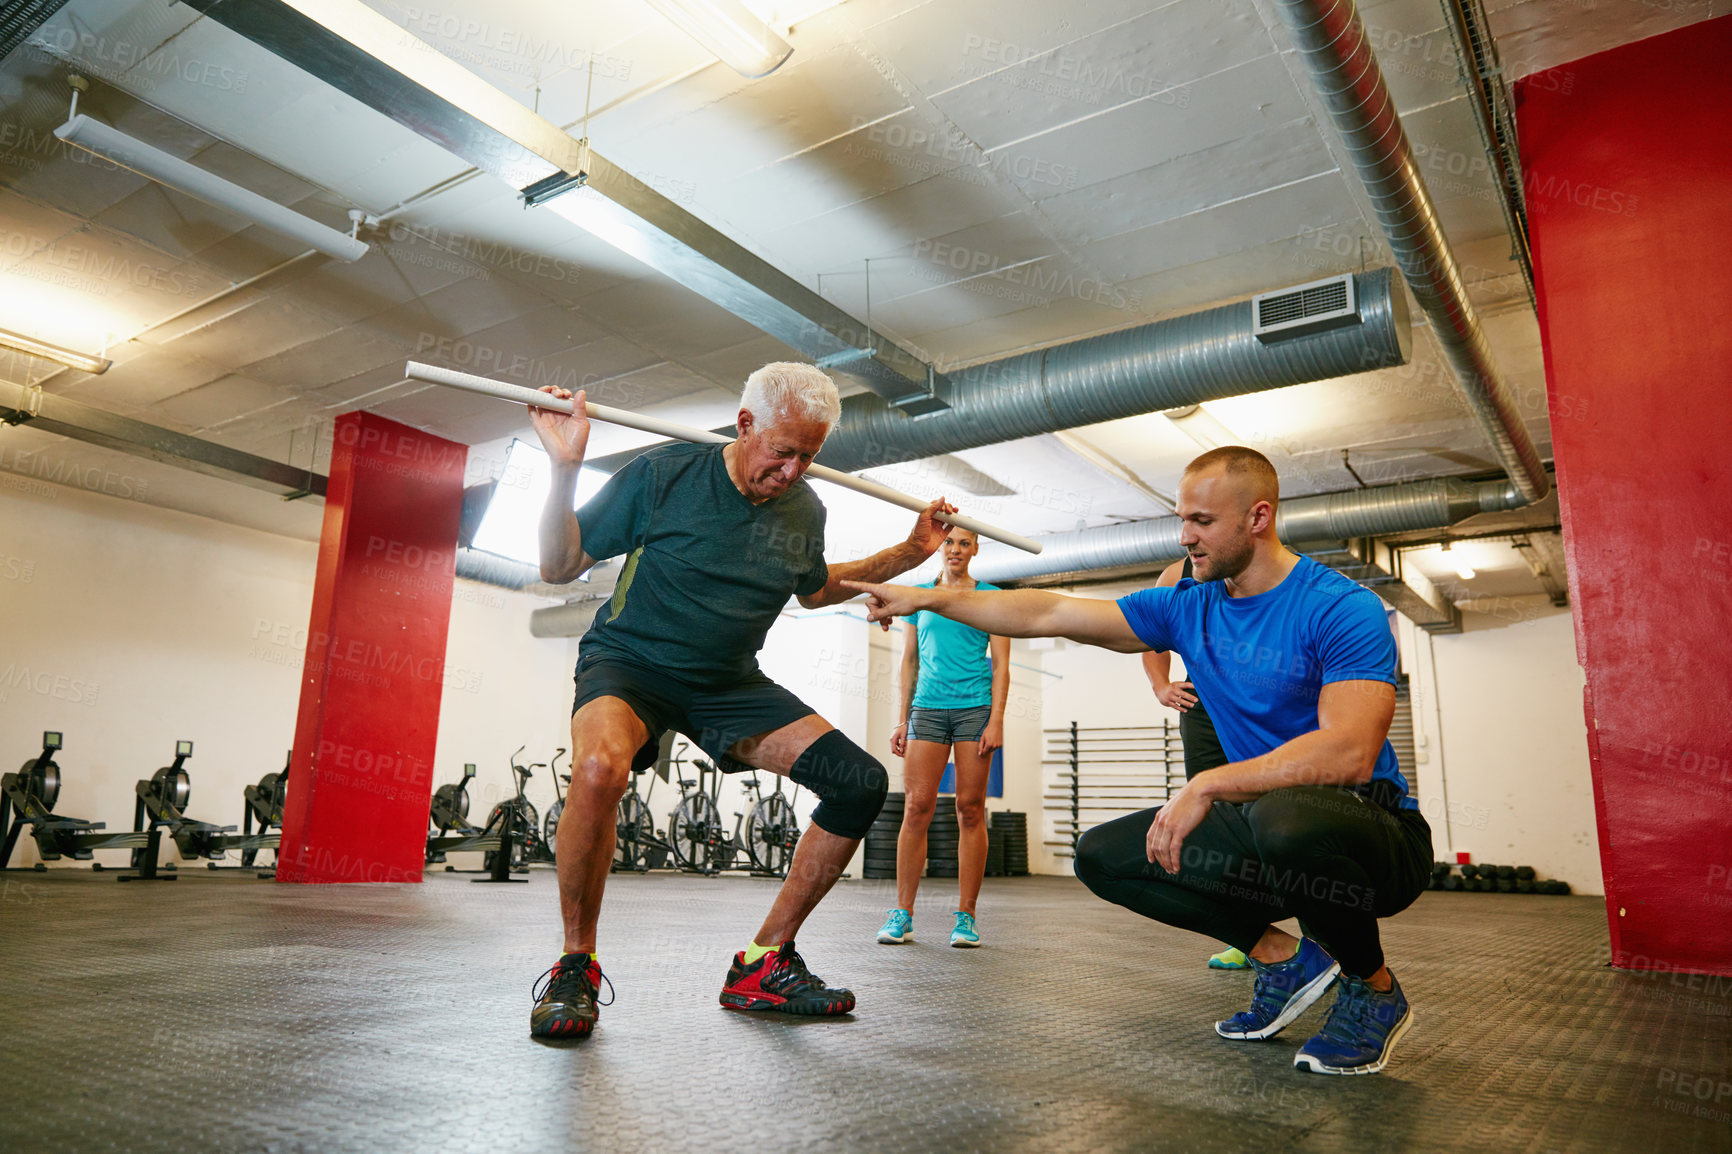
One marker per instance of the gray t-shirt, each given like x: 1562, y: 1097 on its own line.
x: 706, y: 571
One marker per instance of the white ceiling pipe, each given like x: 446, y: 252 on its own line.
x: 111, y: 144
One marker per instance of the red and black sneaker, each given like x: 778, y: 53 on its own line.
x: 781, y: 981
x: 565, y: 1005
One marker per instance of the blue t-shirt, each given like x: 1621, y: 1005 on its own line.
x: 955, y: 662
x: 1259, y: 662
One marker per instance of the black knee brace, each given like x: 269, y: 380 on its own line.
x: 849, y: 782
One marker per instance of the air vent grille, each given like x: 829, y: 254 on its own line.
x: 1304, y: 309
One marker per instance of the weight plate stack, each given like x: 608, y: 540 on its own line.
x: 1013, y: 827
x: 942, y: 839
x: 881, y: 839
x: 994, y: 852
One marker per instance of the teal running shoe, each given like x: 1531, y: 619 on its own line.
x: 898, y: 928
x: 1230, y: 959
x: 964, y: 936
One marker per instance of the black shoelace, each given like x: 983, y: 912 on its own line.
x: 558, y: 982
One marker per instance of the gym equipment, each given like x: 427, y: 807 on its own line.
x: 264, y: 802
x: 550, y: 823
x: 772, y: 830
x: 451, y: 378
x: 27, y: 799
x: 881, y: 838
x: 696, y: 835
x: 943, y: 838
x: 517, y: 825
x: 161, y: 805
x: 1015, y: 827
x: 638, y: 847
x: 448, y: 828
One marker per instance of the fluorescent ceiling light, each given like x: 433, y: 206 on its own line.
x: 71, y: 358
x: 111, y: 144
x: 1464, y: 571
x: 1202, y: 426
x: 511, y: 526
x: 733, y: 33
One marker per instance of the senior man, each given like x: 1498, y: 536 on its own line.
x: 716, y: 538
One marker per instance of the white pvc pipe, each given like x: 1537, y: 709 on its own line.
x: 535, y: 398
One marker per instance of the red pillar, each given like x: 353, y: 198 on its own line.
x: 1629, y: 183
x: 360, y: 778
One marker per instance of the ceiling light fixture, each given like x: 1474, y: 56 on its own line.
x: 149, y: 161
x: 71, y: 358
x: 1202, y: 426
x: 732, y: 32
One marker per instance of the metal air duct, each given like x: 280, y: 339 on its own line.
x: 1372, y: 512
x: 1165, y: 365
x: 1331, y: 40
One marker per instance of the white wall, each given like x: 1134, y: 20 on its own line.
x: 129, y: 627
x: 1504, y: 772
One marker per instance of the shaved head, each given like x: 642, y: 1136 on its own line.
x: 1226, y: 504
x: 1248, y: 470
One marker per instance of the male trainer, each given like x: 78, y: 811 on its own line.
x: 1311, y: 817
x: 716, y: 539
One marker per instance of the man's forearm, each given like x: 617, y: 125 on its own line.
x: 881, y: 566
x: 561, y: 539
x: 1316, y: 758
x: 1007, y: 613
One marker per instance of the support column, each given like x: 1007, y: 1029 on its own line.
x: 361, y: 776
x: 1627, y: 173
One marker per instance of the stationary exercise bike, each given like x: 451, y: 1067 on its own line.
x: 27, y: 799
x: 550, y: 823
x: 448, y: 828
x: 638, y: 846
x: 518, y: 827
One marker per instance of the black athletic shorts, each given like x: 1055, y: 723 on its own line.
x: 715, y: 717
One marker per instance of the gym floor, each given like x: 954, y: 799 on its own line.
x: 224, y: 1013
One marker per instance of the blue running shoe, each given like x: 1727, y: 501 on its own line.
x: 1283, y: 991
x: 964, y: 936
x: 898, y: 928
x: 1360, y: 1032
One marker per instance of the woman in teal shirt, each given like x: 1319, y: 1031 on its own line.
x: 952, y: 695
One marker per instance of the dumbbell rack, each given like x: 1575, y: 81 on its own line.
x: 1096, y: 773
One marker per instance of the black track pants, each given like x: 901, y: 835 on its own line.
x: 1324, y: 855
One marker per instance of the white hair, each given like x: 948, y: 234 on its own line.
x: 790, y: 389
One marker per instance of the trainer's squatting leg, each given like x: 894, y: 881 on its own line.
x: 605, y: 733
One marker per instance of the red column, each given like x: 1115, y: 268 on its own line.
x: 360, y: 778
x: 1629, y: 187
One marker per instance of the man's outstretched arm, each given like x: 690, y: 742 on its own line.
x: 1010, y: 613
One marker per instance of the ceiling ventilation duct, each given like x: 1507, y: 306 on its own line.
x: 1165, y: 365
x: 1304, y: 309
x: 1373, y: 512
x: 1330, y: 37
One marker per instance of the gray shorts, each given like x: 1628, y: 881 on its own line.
x: 948, y: 726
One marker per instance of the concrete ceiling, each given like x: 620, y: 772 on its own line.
x: 1017, y: 175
